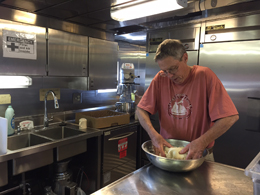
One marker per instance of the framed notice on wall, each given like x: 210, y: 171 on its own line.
x: 19, y: 45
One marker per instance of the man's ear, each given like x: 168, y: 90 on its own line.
x: 185, y: 57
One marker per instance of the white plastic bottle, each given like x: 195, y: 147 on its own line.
x: 9, y: 115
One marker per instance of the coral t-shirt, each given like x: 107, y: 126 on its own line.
x: 186, y: 111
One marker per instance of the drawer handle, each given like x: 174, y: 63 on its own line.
x: 120, y: 137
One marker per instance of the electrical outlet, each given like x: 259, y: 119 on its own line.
x: 76, y: 98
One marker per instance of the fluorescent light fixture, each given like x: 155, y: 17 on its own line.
x: 25, y: 17
x: 134, y: 37
x: 7, y: 82
x: 106, y: 90
x: 142, y: 8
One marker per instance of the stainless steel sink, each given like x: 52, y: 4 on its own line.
x: 23, y: 141
x: 59, y: 133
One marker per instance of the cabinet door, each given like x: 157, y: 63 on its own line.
x: 23, y: 50
x: 102, y: 64
x: 67, y: 53
x: 113, y: 155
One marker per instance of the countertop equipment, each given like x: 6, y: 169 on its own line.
x: 172, y: 164
x: 126, y: 89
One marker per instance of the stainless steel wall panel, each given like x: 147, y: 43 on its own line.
x: 102, y: 64
x: 67, y: 54
x: 141, y: 70
x: 237, y: 66
x: 77, y: 83
x: 18, y: 66
x: 26, y: 101
x: 130, y: 53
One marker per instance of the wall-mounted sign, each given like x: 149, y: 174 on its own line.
x: 215, y: 27
x: 19, y: 45
x: 155, y: 41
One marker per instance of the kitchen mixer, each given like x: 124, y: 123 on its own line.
x: 126, y: 89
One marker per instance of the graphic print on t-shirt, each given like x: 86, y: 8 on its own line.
x: 180, y: 106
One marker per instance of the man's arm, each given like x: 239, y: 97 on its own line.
x: 156, y: 138
x: 196, y: 147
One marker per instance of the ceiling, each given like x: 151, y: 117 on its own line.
x: 96, y: 13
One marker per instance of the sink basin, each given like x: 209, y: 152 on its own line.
x: 22, y: 141
x: 59, y: 133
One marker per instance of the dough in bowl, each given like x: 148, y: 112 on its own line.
x: 173, y: 153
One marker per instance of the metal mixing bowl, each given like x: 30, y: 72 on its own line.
x: 172, y: 164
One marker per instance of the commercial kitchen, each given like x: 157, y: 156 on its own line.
x: 82, y: 68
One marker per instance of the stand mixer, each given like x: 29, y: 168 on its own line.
x: 126, y: 89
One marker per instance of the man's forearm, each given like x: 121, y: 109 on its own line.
x: 145, y: 121
x: 218, y: 129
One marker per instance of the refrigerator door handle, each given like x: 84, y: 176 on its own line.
x: 120, y: 137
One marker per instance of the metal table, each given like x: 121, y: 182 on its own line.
x: 210, y: 178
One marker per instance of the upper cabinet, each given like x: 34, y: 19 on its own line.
x: 23, y: 50
x: 103, y: 57
x: 67, y: 54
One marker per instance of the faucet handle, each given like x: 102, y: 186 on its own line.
x: 18, y: 129
x: 51, y: 119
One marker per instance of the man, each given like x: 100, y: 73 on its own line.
x: 191, y: 101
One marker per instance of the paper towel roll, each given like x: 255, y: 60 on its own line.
x: 3, y: 135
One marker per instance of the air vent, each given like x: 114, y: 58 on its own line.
x: 128, y: 29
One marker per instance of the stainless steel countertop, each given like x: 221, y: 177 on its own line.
x: 210, y: 178
x: 90, y: 132
x: 131, y: 123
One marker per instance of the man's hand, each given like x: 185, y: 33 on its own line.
x: 195, y: 149
x: 158, y: 143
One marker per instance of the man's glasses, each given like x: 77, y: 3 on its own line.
x: 172, y: 70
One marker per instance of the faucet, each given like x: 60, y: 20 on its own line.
x: 56, y: 105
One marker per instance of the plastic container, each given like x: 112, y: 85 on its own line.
x: 253, y: 171
x: 9, y: 115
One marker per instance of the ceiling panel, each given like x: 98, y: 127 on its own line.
x: 67, y: 10
x: 96, y: 13
x: 84, y: 20
x: 94, y: 5
x: 102, y: 26
x: 30, y: 5
x: 102, y: 15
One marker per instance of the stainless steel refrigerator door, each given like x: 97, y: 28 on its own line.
x: 114, y: 165
x: 237, y: 66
